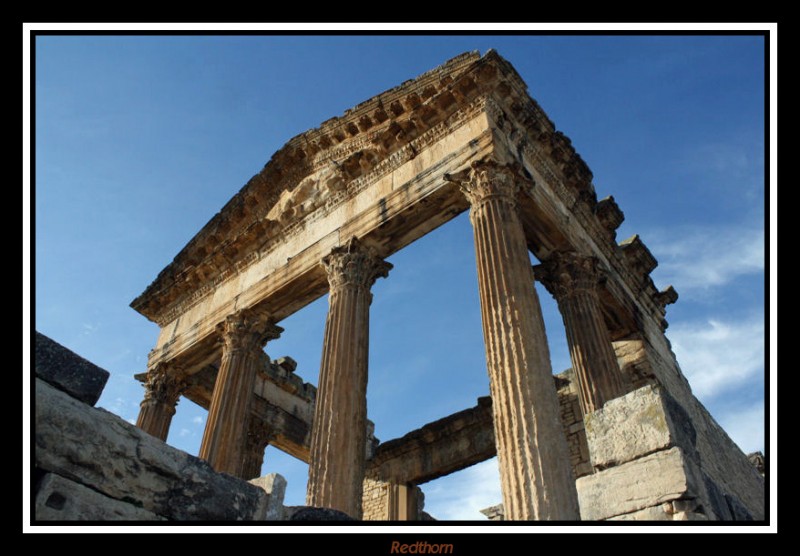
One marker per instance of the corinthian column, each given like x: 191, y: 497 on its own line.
x: 244, y: 335
x: 338, y: 438
x: 164, y: 385
x: 535, y: 472
x: 573, y: 280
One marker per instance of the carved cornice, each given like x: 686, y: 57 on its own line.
x: 609, y: 214
x: 352, y: 188
x: 567, y: 274
x: 345, y: 155
x: 404, y: 112
x: 164, y: 384
x: 248, y: 330
x: 354, y: 265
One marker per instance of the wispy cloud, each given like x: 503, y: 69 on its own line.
x: 717, y: 355
x: 698, y: 258
x: 462, y: 495
x: 184, y: 432
x: 197, y: 420
x: 734, y: 164
x: 728, y: 158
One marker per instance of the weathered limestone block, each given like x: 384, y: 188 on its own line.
x: 98, y: 449
x: 59, y: 499
x: 655, y: 513
x: 635, y: 425
x: 68, y: 371
x: 636, y: 485
x: 275, y: 487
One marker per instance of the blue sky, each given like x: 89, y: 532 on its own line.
x: 141, y: 140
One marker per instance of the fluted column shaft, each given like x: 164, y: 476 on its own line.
x: 535, y: 473
x: 244, y: 335
x: 163, y: 388
x: 573, y: 280
x: 258, y: 437
x: 338, y: 439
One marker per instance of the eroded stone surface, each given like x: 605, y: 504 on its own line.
x: 646, y: 482
x: 59, y: 499
x: 656, y: 513
x: 68, y: 371
x: 96, y: 448
x: 642, y: 422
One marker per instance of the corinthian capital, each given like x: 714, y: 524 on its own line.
x: 354, y: 264
x: 248, y: 329
x: 485, y: 180
x: 568, y: 273
x: 165, y: 383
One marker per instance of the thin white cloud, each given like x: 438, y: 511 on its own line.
x: 462, y: 495
x: 746, y: 427
x: 717, y: 355
x: 198, y: 420
x: 184, y: 432
x: 698, y: 258
x: 728, y: 158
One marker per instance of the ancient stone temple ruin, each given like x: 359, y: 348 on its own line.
x: 618, y: 436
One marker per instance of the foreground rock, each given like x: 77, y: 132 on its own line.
x: 68, y: 371
x: 107, y: 458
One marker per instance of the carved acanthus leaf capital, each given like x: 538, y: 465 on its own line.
x: 165, y: 382
x: 565, y: 274
x: 354, y: 264
x: 487, y: 179
x: 248, y: 329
